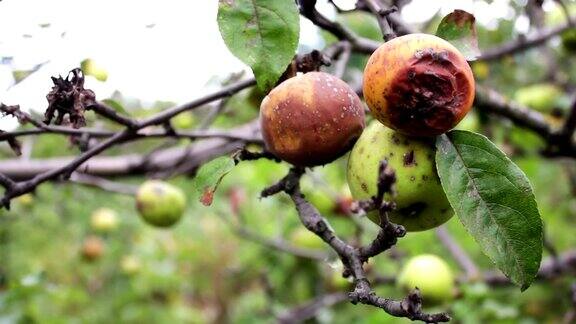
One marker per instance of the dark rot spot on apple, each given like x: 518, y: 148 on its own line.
x: 409, y: 159
x: 425, y: 178
x: 412, y: 178
x: 413, y: 210
x: 427, y: 97
x: 364, y: 187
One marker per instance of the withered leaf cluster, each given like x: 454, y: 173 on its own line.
x: 68, y: 97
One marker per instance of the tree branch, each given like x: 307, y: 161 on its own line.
x: 382, y: 18
x: 351, y: 257
x: 521, y: 45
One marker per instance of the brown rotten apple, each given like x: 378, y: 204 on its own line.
x: 419, y: 85
x: 311, y: 119
x: 92, y: 248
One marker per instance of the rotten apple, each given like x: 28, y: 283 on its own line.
x: 419, y: 85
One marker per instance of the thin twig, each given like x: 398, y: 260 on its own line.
x: 103, y: 184
x: 109, y: 113
x: 382, y: 17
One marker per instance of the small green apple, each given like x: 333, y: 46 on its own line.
x: 431, y: 275
x: 557, y: 16
x: 542, y: 97
x: 569, y: 40
x: 104, y: 220
x: 159, y: 203
x: 130, y: 265
x: 321, y: 200
x: 481, y: 70
x: 336, y: 282
x: 184, y: 120
x: 90, y: 67
x: 25, y: 200
x: 303, y: 238
x: 421, y: 203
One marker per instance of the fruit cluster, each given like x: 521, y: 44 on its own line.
x: 417, y: 86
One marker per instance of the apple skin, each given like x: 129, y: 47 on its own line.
x: 311, y: 119
x: 160, y: 204
x: 419, y: 85
x: 304, y: 239
x: 104, y: 220
x: 421, y: 203
x: 431, y: 275
x: 92, y: 248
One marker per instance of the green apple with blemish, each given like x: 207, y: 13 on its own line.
x: 421, y: 203
x: 159, y: 203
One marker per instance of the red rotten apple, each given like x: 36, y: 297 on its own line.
x: 311, y: 119
x: 419, y: 85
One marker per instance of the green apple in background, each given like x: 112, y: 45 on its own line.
x: 569, y: 40
x: 184, y: 120
x: 90, y: 67
x: 336, y: 282
x: 104, y: 220
x: 130, y: 265
x: 303, y: 238
x: 420, y: 200
x: 25, y: 200
x: 321, y: 200
x: 481, y: 70
x: 557, y: 17
x: 470, y: 123
x: 431, y: 275
x: 159, y: 203
x: 542, y: 97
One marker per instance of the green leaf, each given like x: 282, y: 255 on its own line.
x: 495, y: 202
x: 209, y: 177
x: 459, y: 29
x: 261, y: 33
x: 114, y: 105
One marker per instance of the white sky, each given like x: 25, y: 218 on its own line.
x: 174, y: 60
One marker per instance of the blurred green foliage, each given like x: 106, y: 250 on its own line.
x: 201, y: 271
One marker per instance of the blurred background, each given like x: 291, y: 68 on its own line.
x: 59, y: 265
